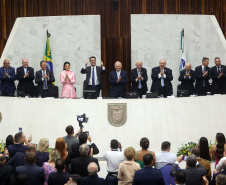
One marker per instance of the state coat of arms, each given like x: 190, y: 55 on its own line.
x: 117, y: 114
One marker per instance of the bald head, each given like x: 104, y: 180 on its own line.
x: 92, y: 169
x: 25, y: 63
x: 6, y: 63
x: 2, y: 159
x: 188, y: 67
x: 162, y: 64
x: 118, y: 66
x: 139, y: 64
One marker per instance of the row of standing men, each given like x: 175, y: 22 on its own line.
x: 161, y: 79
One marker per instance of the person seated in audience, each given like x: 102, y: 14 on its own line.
x: 193, y: 171
x: 113, y: 158
x: 60, y: 177
x: 79, y: 165
x: 49, y: 167
x: 144, y: 143
x: 128, y: 168
x: 19, y: 144
x: 75, y: 178
x: 71, y: 138
x: 204, y: 148
x: 83, y: 140
x: 148, y: 175
x: 165, y: 170
x: 61, y: 146
x: 164, y: 157
x: 213, y: 181
x: 19, y: 158
x: 6, y: 172
x: 93, y: 178
x: 180, y: 177
x: 22, y: 179
x: 221, y: 179
x: 219, y: 150
x: 35, y: 173
x: 42, y: 155
x: 203, y: 162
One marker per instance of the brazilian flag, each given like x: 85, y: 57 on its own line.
x: 48, y: 56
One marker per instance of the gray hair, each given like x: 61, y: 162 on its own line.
x: 84, y: 149
x: 92, y: 169
x: 191, y: 160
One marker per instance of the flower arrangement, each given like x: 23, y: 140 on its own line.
x: 186, y: 149
x: 2, y: 147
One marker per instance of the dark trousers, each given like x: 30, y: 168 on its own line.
x: 6, y: 92
x: 111, y: 180
x: 45, y: 93
x: 163, y: 91
x: 203, y: 91
x: 96, y: 87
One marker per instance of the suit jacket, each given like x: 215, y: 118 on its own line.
x: 79, y: 165
x: 118, y: 89
x: 35, y: 174
x: 7, y: 84
x: 99, y: 72
x: 13, y: 149
x: 58, y: 178
x: 187, y: 83
x: 218, y: 81
x: 38, y: 80
x: 25, y: 83
x: 94, y: 180
x: 194, y: 174
x: 156, y: 81
x: 6, y: 175
x: 17, y: 160
x: 199, y: 79
x: 213, y: 181
x: 148, y: 176
x: 133, y: 77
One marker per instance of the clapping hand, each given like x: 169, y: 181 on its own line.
x: 26, y: 75
x: 221, y: 74
x: 187, y: 75
x: 6, y: 75
x: 206, y: 73
x: 86, y: 63
x: 101, y: 63
x: 119, y: 79
x: 162, y: 73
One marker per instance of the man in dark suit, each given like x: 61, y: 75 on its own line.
x: 161, y: 79
x: 194, y: 173
x: 35, y: 173
x: 79, y: 165
x: 7, y: 77
x: 25, y: 75
x: 148, y: 175
x: 93, y: 75
x: 213, y: 181
x: 139, y: 78
x: 187, y: 78
x: 203, y: 75
x: 44, y: 79
x: 18, y: 146
x: 60, y: 177
x: 6, y: 172
x: 218, y: 75
x: 118, y: 78
x: 93, y: 178
x: 180, y: 177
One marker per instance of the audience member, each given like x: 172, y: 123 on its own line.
x: 79, y: 165
x: 128, y: 168
x: 203, y: 162
x: 204, y: 148
x: 113, y: 158
x: 22, y: 179
x: 164, y: 157
x: 221, y: 179
x: 6, y: 172
x: 71, y: 138
x: 35, y: 173
x: 83, y: 140
x: 180, y: 177
x: 9, y: 141
x: 144, y: 143
x: 75, y: 178
x: 194, y: 172
x: 25, y: 75
x: 49, y: 167
x: 7, y: 78
x: 213, y: 181
x: 19, y: 158
x: 165, y: 170
x: 93, y: 178
x: 42, y: 155
x: 61, y: 146
x: 219, y: 150
x: 148, y: 175
x: 60, y: 177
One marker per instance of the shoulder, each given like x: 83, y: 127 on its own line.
x: 168, y: 69
x: 112, y: 72
x: 155, y: 68
x: 11, y: 68
x: 123, y: 71
x: 198, y: 67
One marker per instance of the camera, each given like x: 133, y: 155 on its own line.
x: 82, y: 119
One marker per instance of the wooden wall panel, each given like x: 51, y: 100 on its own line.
x: 115, y: 24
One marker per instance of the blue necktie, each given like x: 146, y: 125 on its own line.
x: 93, y: 78
x: 139, y: 83
x: 162, y: 81
x: 44, y: 82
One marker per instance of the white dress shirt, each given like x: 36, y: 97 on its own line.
x: 163, y: 158
x: 114, y: 158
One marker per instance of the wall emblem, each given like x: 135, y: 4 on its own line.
x: 117, y: 114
